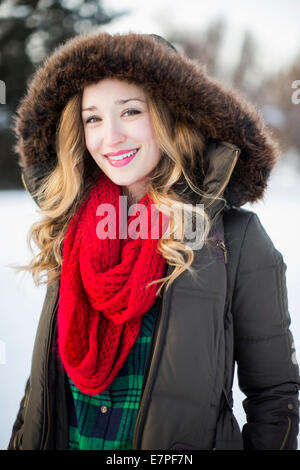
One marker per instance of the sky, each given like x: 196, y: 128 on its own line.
x: 275, y: 24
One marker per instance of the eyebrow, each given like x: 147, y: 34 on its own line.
x: 93, y: 108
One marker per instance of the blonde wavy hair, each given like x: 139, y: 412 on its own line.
x: 172, y: 186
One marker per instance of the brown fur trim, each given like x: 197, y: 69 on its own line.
x: 219, y: 112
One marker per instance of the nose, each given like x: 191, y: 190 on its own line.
x: 113, y: 134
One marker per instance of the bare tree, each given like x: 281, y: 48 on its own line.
x: 246, y: 62
x: 204, y: 46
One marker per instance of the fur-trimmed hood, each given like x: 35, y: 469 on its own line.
x: 220, y: 113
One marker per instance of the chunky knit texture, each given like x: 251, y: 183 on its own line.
x: 103, y: 287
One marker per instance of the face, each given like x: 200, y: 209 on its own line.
x: 118, y: 125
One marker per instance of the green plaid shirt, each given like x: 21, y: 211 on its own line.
x: 106, y: 421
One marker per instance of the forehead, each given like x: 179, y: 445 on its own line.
x: 111, y: 89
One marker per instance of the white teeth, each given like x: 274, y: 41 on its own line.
x: 125, y: 155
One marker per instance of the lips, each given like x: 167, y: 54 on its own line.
x: 120, y: 152
x: 123, y: 161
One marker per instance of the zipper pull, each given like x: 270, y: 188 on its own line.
x: 221, y: 245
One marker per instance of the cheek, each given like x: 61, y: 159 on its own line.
x: 143, y: 130
x: 147, y: 137
x: 91, y: 141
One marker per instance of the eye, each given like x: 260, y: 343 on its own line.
x: 132, y: 111
x: 90, y: 119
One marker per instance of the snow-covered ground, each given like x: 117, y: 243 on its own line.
x: 21, y: 300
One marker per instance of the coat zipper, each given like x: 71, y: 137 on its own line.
x: 152, y: 342
x: 44, y: 444
x: 158, y: 333
x: 220, y: 243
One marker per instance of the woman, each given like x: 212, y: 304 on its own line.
x: 138, y: 337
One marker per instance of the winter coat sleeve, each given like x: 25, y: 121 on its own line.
x: 15, y: 442
x: 267, y: 369
x: 31, y: 178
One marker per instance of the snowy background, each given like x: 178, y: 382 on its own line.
x: 21, y: 301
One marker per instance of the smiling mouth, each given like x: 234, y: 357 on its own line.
x: 117, y: 158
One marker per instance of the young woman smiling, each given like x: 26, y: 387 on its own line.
x: 139, y: 337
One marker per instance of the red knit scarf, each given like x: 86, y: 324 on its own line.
x: 103, y: 294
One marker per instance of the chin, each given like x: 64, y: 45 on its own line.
x: 120, y: 181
